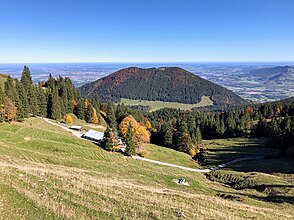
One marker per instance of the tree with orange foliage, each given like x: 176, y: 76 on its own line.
x: 147, y: 123
x: 87, y: 103
x: 9, y: 109
x: 140, y: 133
x: 95, y: 118
x: 68, y: 119
x: 123, y: 126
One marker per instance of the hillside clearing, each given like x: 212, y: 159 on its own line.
x: 155, y: 105
x: 169, y: 155
x: 46, y: 173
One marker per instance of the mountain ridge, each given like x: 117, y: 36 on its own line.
x: 172, y: 84
x: 278, y: 74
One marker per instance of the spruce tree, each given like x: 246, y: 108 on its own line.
x: 26, y: 78
x: 198, y: 136
x: 95, y: 102
x: 108, y: 139
x: 222, y: 127
x: 1, y: 105
x: 42, y: 100
x: 80, y: 109
x: 130, y: 144
x: 89, y: 114
x: 21, y: 101
x: 1, y: 97
x: 111, y: 119
x: 9, y: 88
x: 50, y: 82
x: 182, y: 138
x: 32, y: 100
x: 55, y: 108
x: 96, y: 105
x: 168, y: 136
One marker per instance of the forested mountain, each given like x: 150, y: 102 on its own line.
x: 279, y: 74
x: 171, y: 84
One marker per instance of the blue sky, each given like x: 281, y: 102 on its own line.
x: 146, y: 31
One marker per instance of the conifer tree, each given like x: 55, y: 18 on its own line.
x: 181, y: 129
x: 231, y: 124
x: 111, y: 119
x: 55, y: 107
x: 95, y: 102
x: 182, y: 139
x: 42, y: 100
x: 222, y: 127
x: 80, y: 109
x: 168, y: 136
x: 9, y: 88
x: 1, y: 105
x: 26, y: 78
x: 89, y: 114
x: 110, y: 139
x: 23, y: 109
x: 50, y: 82
x: 1, y: 97
x: 130, y: 144
x: 198, y: 136
x: 32, y: 100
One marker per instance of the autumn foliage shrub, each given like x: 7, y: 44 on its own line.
x: 68, y: 119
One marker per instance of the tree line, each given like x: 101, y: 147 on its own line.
x: 53, y: 99
x: 183, y: 130
x: 274, y: 120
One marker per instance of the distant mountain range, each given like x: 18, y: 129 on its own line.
x: 170, y: 84
x: 278, y: 75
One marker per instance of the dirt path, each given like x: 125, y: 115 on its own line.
x: 75, y: 133
x: 78, y: 134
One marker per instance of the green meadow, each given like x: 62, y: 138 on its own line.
x: 47, y: 173
x: 155, y: 105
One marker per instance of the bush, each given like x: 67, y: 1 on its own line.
x: 144, y: 153
x: 193, y: 152
x: 68, y: 119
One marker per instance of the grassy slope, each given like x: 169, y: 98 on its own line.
x: 168, y: 155
x: 46, y: 173
x: 271, y: 176
x: 219, y: 151
x: 155, y: 105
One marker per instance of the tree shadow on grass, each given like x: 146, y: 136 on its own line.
x: 268, y: 165
x: 238, y: 196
